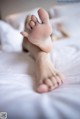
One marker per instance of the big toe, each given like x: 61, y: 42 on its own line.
x: 43, y: 15
x: 42, y: 88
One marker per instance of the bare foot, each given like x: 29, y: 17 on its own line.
x: 48, y: 78
x: 39, y: 33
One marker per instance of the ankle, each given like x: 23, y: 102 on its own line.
x: 41, y: 56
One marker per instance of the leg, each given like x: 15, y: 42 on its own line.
x: 48, y: 77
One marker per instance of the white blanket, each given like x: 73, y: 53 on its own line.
x: 17, y: 96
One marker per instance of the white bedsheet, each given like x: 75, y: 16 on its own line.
x: 17, y: 96
x: 17, y: 74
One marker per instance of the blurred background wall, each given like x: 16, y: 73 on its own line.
x: 12, y: 6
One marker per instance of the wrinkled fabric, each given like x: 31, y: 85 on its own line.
x: 18, y: 97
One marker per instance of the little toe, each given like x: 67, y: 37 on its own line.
x: 61, y: 77
x: 59, y: 82
x: 28, y: 19
x: 24, y: 34
x: 43, y: 16
x: 32, y: 24
x: 27, y: 26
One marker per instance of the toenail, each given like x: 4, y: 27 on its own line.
x: 57, y: 74
x: 44, y: 80
x: 49, y: 77
x: 58, y: 83
x: 50, y: 87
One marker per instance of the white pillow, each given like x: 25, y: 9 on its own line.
x: 17, y: 20
x: 11, y: 39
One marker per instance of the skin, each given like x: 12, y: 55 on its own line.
x: 38, y: 42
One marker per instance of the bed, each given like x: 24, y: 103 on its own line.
x: 17, y: 95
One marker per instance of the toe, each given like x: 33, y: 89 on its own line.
x: 34, y: 19
x: 24, y: 34
x: 28, y: 19
x: 61, y: 76
x: 54, y: 82
x: 28, y: 27
x: 43, y: 16
x: 59, y: 82
x: 42, y: 88
x: 32, y: 24
x: 48, y: 83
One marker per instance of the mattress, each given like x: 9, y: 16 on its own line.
x: 17, y: 95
